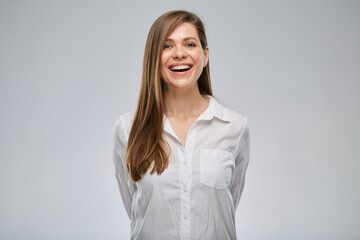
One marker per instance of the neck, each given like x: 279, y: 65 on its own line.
x: 184, y: 103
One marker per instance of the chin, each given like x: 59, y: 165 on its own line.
x: 182, y: 84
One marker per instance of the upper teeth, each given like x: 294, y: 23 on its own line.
x: 179, y: 67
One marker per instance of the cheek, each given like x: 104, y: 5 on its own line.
x: 163, y: 69
x: 200, y: 58
x: 163, y: 66
x: 204, y: 58
x: 165, y: 55
x: 201, y: 61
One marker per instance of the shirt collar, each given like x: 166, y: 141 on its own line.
x: 215, y: 109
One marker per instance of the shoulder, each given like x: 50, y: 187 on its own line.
x: 239, y: 127
x: 238, y: 121
x: 124, y: 122
x: 236, y: 117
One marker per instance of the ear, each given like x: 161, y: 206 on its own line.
x: 206, y: 57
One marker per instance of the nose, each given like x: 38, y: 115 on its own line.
x: 179, y: 52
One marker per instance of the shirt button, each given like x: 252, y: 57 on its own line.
x: 184, y: 162
x: 185, y: 217
x: 185, y: 190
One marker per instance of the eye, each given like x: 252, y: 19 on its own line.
x: 190, y: 45
x: 167, y: 46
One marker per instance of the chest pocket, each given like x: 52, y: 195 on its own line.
x: 216, y: 168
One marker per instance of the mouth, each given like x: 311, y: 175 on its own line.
x: 180, y: 68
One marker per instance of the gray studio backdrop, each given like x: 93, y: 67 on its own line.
x: 69, y: 68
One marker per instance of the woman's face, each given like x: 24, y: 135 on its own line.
x: 182, y: 58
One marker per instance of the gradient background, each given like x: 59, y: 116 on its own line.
x: 69, y: 68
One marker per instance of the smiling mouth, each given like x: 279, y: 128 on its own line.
x: 180, y: 68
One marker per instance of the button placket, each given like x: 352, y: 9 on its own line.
x: 184, y: 195
x: 185, y: 174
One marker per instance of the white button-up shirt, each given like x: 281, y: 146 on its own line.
x: 197, y: 195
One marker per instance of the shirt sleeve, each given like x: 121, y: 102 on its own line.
x: 241, y: 163
x: 124, y: 182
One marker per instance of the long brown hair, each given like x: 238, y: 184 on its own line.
x: 146, y: 144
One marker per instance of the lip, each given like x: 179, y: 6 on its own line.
x: 179, y: 64
x: 180, y: 73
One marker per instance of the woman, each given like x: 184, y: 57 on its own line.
x: 198, y: 149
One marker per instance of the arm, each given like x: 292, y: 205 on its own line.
x: 124, y: 182
x: 241, y: 163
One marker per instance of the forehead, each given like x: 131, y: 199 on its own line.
x: 184, y: 30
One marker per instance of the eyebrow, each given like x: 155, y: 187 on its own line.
x: 185, y: 39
